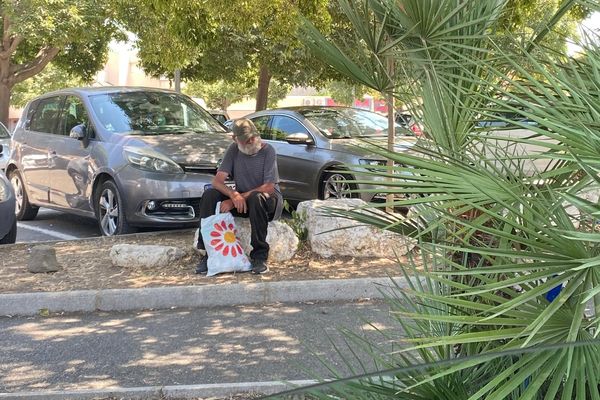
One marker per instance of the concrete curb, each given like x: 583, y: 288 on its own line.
x: 28, y: 304
x: 163, y: 392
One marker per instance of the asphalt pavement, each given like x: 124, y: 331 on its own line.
x: 203, y: 347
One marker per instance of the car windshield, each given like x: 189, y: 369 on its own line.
x: 151, y: 113
x: 345, y: 123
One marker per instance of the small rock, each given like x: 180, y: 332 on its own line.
x: 140, y: 256
x: 42, y: 260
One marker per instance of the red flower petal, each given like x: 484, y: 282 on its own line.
x: 239, y: 248
x: 223, y: 224
x: 226, y: 250
x: 215, y: 242
x: 219, y: 246
x: 215, y: 234
x: 218, y: 227
x: 231, y: 227
x: 233, y: 251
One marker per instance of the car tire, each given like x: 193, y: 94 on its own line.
x: 110, y: 211
x: 11, y: 236
x: 335, y: 185
x: 23, y: 209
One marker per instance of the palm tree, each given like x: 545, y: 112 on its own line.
x: 505, y: 296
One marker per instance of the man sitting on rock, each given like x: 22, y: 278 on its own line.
x: 252, y: 165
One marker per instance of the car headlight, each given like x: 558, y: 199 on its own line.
x: 150, y: 160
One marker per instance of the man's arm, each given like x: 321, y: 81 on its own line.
x: 236, y: 200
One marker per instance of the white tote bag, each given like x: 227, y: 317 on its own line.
x: 225, y: 254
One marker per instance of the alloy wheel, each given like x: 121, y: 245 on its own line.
x: 108, y: 207
x: 337, y: 187
x: 17, y: 185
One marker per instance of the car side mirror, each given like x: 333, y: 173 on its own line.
x: 299, y: 138
x: 78, y: 132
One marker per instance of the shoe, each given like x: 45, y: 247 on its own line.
x: 202, y: 267
x: 259, y: 266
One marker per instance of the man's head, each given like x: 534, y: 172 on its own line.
x: 246, y: 136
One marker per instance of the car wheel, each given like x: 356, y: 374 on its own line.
x: 11, y: 236
x: 336, y: 186
x: 23, y: 210
x: 110, y: 211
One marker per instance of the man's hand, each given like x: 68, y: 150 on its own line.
x: 239, y: 202
x: 226, y: 205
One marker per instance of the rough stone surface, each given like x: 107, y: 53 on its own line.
x: 282, y: 240
x: 140, y: 256
x: 336, y: 236
x: 43, y: 259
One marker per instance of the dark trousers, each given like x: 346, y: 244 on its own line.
x: 261, y: 209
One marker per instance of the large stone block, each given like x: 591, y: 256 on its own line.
x: 140, y: 256
x: 283, y: 242
x: 43, y: 259
x: 336, y: 236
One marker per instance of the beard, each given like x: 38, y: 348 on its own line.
x: 252, y: 148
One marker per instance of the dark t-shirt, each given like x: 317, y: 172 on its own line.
x: 249, y: 172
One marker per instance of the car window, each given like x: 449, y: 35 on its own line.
x: 3, y: 131
x: 73, y: 114
x: 45, y: 116
x: 282, y: 126
x: 346, y: 123
x: 152, y: 113
x: 262, y: 126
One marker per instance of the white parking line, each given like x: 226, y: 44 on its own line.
x: 47, y: 232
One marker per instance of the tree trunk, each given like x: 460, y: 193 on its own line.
x: 262, y: 93
x: 390, y: 146
x: 4, y: 103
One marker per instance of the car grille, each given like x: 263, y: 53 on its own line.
x: 199, y: 169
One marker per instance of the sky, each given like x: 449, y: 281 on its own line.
x: 592, y: 23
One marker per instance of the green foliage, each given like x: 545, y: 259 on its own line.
x: 297, y: 222
x: 80, y: 30
x: 343, y: 92
x: 220, y: 94
x: 502, y: 221
x: 50, y: 79
x: 73, y: 34
x: 211, y: 43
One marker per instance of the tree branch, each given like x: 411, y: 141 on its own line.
x: 5, y: 34
x: 19, y: 73
x: 9, y: 44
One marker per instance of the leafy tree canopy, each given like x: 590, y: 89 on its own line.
x: 210, y: 42
x: 72, y: 33
x: 51, y: 78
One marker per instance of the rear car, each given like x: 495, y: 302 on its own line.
x: 8, y: 221
x: 129, y: 157
x: 315, y: 145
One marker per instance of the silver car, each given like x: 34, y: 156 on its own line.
x: 8, y: 222
x: 315, y: 144
x: 129, y: 157
x: 4, y: 146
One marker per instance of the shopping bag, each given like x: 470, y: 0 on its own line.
x: 225, y: 254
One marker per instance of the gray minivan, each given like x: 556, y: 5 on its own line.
x: 129, y: 157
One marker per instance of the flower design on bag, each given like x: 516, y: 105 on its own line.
x: 224, y: 239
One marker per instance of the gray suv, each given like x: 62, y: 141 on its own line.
x: 129, y: 157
